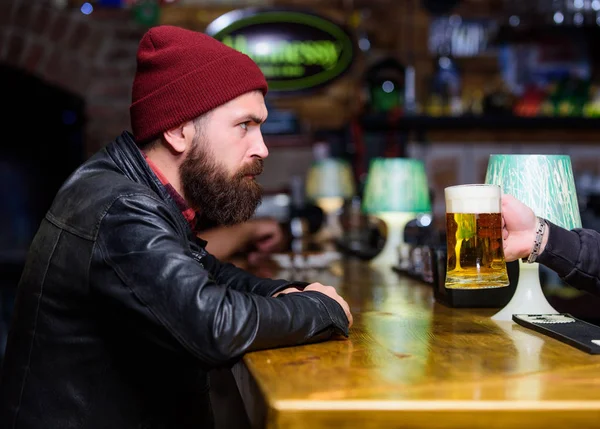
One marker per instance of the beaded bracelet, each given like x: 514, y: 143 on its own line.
x: 539, y: 235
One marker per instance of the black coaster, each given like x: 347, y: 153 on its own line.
x: 565, y: 328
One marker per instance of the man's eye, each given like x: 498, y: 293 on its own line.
x: 244, y: 125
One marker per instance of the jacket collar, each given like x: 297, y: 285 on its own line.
x: 130, y: 160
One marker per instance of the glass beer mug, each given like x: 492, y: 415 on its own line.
x: 474, y: 237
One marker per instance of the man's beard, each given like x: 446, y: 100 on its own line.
x: 220, y: 197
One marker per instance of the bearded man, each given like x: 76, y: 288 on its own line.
x: 120, y: 310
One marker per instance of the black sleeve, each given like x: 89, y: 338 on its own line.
x: 575, y: 256
x: 142, y: 265
x: 238, y: 279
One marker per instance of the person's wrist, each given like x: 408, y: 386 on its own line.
x: 539, y: 238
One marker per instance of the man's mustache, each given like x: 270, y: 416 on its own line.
x: 255, y: 168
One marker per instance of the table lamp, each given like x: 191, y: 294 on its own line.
x: 329, y: 182
x: 396, y: 191
x: 546, y: 184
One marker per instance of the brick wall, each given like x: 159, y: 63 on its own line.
x: 92, y: 56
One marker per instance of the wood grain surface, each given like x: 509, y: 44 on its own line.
x: 413, y: 363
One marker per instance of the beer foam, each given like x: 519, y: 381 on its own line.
x: 473, y: 199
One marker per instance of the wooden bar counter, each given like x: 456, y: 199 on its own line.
x: 413, y: 363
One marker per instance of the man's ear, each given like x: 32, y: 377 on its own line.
x: 178, y: 139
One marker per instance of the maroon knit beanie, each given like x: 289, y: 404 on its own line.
x: 182, y: 74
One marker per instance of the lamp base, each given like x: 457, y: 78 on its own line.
x: 331, y: 228
x: 395, y: 223
x: 529, y: 297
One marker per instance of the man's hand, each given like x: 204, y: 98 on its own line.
x: 259, y: 237
x: 326, y: 290
x: 266, y: 235
x: 331, y: 293
x: 518, y: 228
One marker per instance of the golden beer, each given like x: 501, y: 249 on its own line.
x: 474, y: 238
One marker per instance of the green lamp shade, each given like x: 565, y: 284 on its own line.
x: 330, y: 177
x: 543, y: 182
x: 396, y: 185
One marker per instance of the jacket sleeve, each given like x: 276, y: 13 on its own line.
x: 574, y: 255
x: 238, y: 279
x: 142, y: 266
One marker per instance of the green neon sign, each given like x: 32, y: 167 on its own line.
x: 296, y: 51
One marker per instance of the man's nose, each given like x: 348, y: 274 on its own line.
x: 259, y: 147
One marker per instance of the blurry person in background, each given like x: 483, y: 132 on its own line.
x: 121, y: 311
x: 573, y: 255
x: 255, y: 238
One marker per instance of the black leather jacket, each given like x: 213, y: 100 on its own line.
x: 575, y: 256
x: 120, y: 311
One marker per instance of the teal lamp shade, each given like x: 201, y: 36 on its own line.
x: 396, y: 191
x: 330, y: 178
x: 545, y: 183
x: 396, y: 185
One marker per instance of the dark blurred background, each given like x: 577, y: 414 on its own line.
x: 42, y: 144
